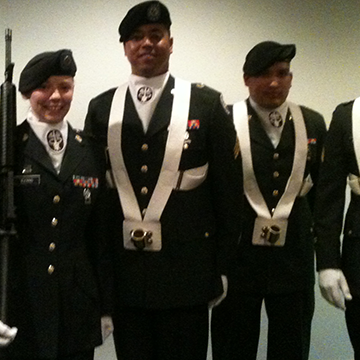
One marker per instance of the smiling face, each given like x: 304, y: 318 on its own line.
x: 51, y: 101
x: 271, y: 88
x: 148, y: 50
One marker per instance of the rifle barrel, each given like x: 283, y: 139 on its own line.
x: 8, y: 39
x: 7, y: 207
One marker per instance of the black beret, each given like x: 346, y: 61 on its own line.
x: 148, y: 12
x: 44, y: 65
x: 266, y: 54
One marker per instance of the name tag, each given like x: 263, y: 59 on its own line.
x: 27, y: 180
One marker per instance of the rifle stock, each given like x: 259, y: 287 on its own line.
x: 7, y: 207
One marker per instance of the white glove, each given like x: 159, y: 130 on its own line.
x: 219, y: 299
x: 334, y: 287
x: 107, y: 327
x: 7, y: 334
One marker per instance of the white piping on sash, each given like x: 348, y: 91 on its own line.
x: 170, y: 165
x: 353, y: 180
x: 294, y: 183
x: 356, y: 129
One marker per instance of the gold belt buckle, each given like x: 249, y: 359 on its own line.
x: 271, y: 233
x: 141, y: 238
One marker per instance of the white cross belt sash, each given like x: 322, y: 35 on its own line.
x: 138, y: 232
x: 353, y: 179
x: 270, y: 229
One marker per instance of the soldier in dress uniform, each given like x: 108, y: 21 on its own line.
x: 338, y: 263
x: 280, y: 145
x: 56, y: 262
x: 175, y: 214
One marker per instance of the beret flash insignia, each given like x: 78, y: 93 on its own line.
x: 154, y: 12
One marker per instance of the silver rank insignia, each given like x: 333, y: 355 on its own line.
x: 87, y: 196
x: 27, y: 169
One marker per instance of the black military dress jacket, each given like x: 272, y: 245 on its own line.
x: 200, y: 227
x: 273, y: 270
x: 339, y: 162
x: 55, y: 261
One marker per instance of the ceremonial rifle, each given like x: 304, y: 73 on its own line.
x: 7, y: 131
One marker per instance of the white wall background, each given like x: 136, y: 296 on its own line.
x: 211, y: 39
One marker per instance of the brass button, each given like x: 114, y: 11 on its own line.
x: 144, y: 190
x: 350, y: 232
x: 143, y: 212
x: 275, y: 192
x: 144, y: 169
x: 276, y: 174
x: 56, y: 199
x: 54, y: 222
x: 144, y: 147
x: 51, y: 269
x: 186, y: 146
x: 272, y: 211
x: 276, y: 156
x: 52, y: 247
x: 207, y: 234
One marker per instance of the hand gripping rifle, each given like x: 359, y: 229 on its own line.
x: 7, y: 208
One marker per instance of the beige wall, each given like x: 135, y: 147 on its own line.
x: 211, y: 39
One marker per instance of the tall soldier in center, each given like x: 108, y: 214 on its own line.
x: 175, y: 217
x: 280, y: 146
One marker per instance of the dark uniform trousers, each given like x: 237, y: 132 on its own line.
x: 289, y: 325
x: 339, y: 162
x: 150, y: 334
x: 280, y: 277
x: 352, y: 316
x: 56, y: 261
x: 86, y: 355
x: 161, y: 297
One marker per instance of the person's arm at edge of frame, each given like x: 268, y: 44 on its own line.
x: 329, y: 216
x: 100, y: 246
x: 227, y: 183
